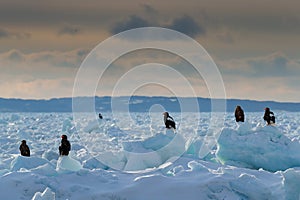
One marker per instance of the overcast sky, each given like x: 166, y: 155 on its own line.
x: 255, y: 44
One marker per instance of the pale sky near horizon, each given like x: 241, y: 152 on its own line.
x: 255, y: 44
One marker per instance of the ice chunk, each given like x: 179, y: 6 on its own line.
x: 195, y: 147
x: 115, y: 160
x: 46, y: 169
x: 93, y: 163
x: 68, y: 127
x: 263, y: 147
x: 291, y: 183
x: 46, y: 195
x: 244, y: 128
x: 27, y: 163
x: 50, y: 155
x: 14, y: 117
x: 3, y: 171
x: 158, y: 141
x: 92, y: 125
x: 141, y: 161
x: 67, y: 164
x: 153, y: 151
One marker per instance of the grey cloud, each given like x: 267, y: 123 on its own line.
x: 263, y: 22
x: 4, y: 33
x: 83, y: 52
x: 280, y: 62
x: 68, y: 59
x: 149, y: 9
x: 69, y: 30
x: 225, y: 38
x: 43, y: 57
x: 71, y: 59
x: 133, y: 21
x: 278, y: 16
x: 15, y: 56
x: 275, y: 65
x: 185, y: 24
x: 22, y: 35
x: 188, y: 26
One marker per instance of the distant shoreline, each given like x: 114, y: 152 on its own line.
x: 140, y: 104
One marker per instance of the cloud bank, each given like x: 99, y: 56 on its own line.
x: 51, y: 74
x: 184, y: 24
x: 69, y: 30
x: 39, y: 75
x: 4, y: 33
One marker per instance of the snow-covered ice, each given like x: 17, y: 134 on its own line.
x: 135, y: 159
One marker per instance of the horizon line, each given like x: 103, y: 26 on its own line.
x: 158, y: 96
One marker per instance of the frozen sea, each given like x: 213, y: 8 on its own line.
x: 136, y: 158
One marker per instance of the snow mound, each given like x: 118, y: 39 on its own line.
x: 67, y: 164
x: 260, y: 147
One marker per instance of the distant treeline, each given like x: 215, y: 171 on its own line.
x: 140, y: 104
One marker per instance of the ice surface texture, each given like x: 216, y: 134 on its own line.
x: 250, y: 160
x: 260, y: 147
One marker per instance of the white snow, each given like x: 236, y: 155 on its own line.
x: 121, y: 159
